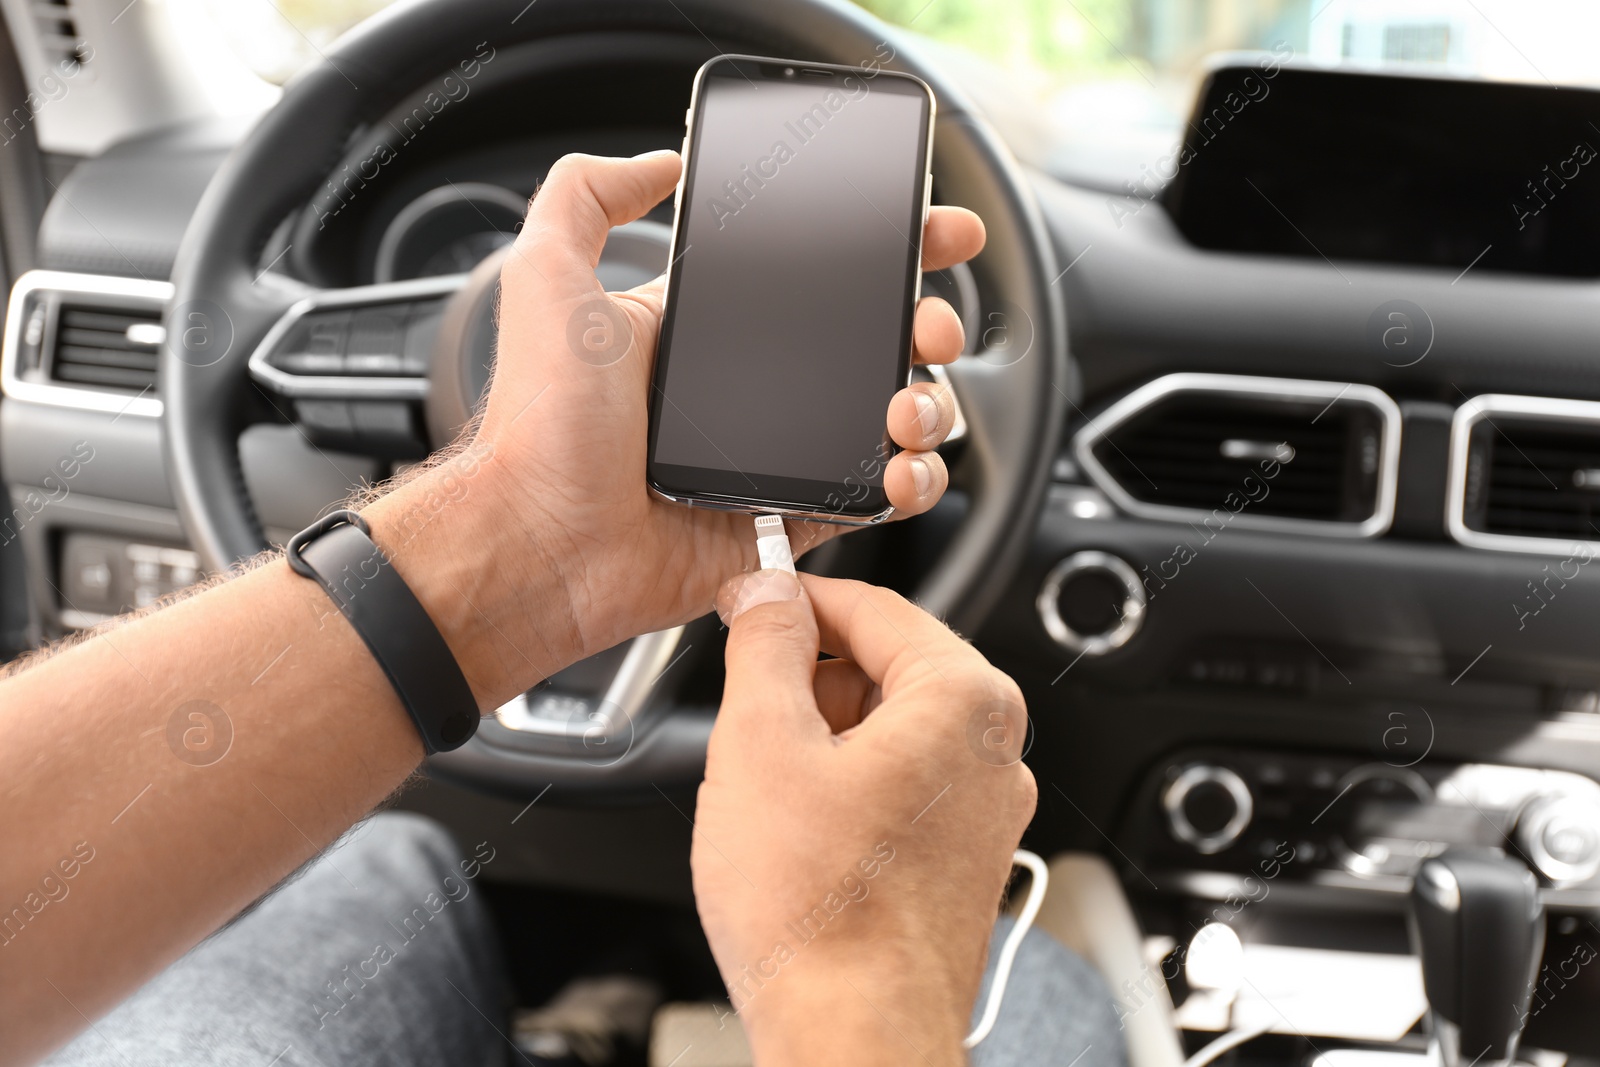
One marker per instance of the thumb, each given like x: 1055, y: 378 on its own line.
x: 580, y: 200
x: 772, y: 652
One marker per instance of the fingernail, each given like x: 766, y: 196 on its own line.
x: 921, y: 476
x: 927, y: 413
x: 656, y: 152
x: 742, y: 592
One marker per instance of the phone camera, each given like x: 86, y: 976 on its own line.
x: 788, y: 72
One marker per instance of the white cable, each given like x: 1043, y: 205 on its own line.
x: 1008, y: 951
x: 1226, y: 1043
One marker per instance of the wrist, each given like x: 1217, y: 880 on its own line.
x: 501, y: 604
x: 839, y: 1014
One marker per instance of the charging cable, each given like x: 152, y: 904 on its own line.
x: 1227, y: 1043
x: 1008, y: 951
x: 772, y: 544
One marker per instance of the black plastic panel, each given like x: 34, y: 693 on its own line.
x: 1335, y: 165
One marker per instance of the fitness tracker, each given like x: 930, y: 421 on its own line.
x: 338, y: 553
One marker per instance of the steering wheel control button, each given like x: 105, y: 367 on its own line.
x: 310, y: 363
x: 377, y: 341
x: 1091, y: 603
x: 1561, y: 835
x: 316, y: 345
x: 421, y: 332
x: 372, y: 342
x: 1207, y: 807
x: 325, y: 418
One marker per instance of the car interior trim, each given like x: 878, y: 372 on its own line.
x: 1480, y: 409
x: 1207, y: 774
x: 346, y: 385
x: 1098, y: 427
x: 1130, y: 612
x: 649, y: 655
x: 86, y: 398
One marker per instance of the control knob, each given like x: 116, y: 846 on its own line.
x: 1207, y: 807
x: 1560, y: 835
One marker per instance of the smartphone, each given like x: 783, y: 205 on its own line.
x: 796, y: 265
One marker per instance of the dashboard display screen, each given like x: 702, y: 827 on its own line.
x: 1442, y: 172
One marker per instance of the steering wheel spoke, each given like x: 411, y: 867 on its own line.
x: 940, y: 375
x: 353, y: 364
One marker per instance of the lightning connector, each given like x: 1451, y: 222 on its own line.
x: 772, y: 542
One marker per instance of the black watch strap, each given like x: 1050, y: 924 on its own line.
x: 337, y: 551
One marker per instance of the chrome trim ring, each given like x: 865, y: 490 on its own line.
x: 83, y: 398
x: 1184, y: 830
x: 1100, y: 426
x: 348, y: 386
x: 1131, y: 609
x: 1536, y: 819
x: 1467, y: 416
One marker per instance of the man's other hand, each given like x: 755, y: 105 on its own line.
x: 855, y: 828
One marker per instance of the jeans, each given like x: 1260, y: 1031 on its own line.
x: 382, y: 952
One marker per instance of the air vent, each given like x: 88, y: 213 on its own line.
x: 107, y: 349
x: 58, y: 34
x: 1525, y: 473
x: 1267, y: 453
x: 84, y: 341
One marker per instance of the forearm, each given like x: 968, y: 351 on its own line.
x: 100, y: 751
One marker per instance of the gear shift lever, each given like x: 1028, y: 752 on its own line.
x: 1479, y: 927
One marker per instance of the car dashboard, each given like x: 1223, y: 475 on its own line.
x: 1312, y: 572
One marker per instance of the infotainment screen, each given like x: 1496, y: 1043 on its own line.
x: 1439, y: 171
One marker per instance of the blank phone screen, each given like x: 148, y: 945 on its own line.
x: 788, y: 329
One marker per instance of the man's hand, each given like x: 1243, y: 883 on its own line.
x: 564, y: 434
x: 855, y: 828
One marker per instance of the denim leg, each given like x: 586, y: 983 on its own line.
x: 1057, y: 1009
x: 379, y: 952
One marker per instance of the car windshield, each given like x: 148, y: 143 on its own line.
x: 1118, y: 74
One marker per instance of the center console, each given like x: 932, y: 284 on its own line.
x: 1310, y: 860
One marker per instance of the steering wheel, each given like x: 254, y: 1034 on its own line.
x: 228, y: 313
